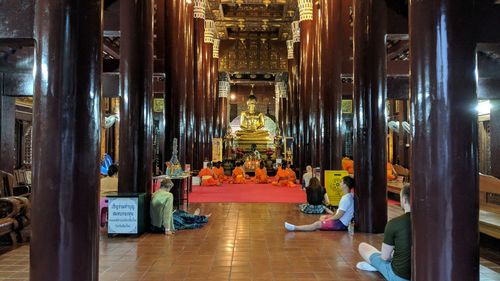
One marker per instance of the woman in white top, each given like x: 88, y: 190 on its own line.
x: 307, y: 176
x: 340, y: 220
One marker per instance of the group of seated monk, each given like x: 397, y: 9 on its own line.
x: 285, y: 176
x: 348, y: 165
x: 211, y: 176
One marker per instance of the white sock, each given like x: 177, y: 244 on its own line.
x: 365, y: 266
x: 289, y: 226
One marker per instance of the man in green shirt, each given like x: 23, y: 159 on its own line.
x: 394, y: 261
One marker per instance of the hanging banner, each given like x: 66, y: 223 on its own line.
x: 216, y: 149
x: 333, y: 179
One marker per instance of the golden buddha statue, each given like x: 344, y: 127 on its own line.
x: 252, y: 123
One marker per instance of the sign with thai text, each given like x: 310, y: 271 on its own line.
x: 122, y: 215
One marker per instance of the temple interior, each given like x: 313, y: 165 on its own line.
x: 249, y: 140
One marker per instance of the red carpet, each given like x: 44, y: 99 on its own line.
x: 247, y: 193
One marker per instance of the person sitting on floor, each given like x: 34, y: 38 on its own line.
x: 208, y: 177
x: 317, y: 199
x: 282, y: 176
x: 340, y: 220
x: 292, y: 177
x: 261, y: 174
x: 391, y: 173
x: 238, y: 174
x: 348, y: 164
x: 306, y: 177
x: 394, y: 260
x: 164, y: 219
x: 219, y: 172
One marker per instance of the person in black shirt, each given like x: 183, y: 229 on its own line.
x: 317, y: 199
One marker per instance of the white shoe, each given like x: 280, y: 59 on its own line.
x: 362, y: 265
x: 289, y: 226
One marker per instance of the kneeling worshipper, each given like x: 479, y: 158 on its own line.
x: 282, y: 176
x: 164, y: 219
x: 162, y: 202
x: 219, y: 172
x: 238, y: 174
x: 261, y: 174
x: 208, y: 177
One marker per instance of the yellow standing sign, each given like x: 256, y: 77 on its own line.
x: 333, y: 179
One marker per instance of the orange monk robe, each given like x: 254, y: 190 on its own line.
x: 292, y: 177
x: 260, y: 175
x: 219, y: 172
x: 348, y: 165
x: 238, y: 175
x: 207, y: 177
x: 282, y: 178
x: 390, y: 172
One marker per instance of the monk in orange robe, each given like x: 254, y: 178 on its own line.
x: 219, y: 172
x: 208, y: 178
x: 282, y: 177
x: 292, y: 177
x: 390, y: 172
x: 348, y: 165
x: 238, y: 174
x: 261, y: 174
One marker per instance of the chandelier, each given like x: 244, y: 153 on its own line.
x: 215, y: 52
x: 305, y: 10
x: 199, y: 9
x: 209, y: 31
x: 296, y: 31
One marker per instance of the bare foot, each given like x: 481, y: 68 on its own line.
x: 168, y: 232
x: 197, y: 212
x: 208, y: 215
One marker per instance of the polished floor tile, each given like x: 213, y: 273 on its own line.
x: 240, y: 242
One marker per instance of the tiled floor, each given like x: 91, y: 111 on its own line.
x: 240, y: 242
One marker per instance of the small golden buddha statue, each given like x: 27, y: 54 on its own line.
x: 252, y: 123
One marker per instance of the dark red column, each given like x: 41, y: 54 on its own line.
x: 136, y: 79
x: 199, y: 86
x: 208, y: 101
x: 445, y: 199
x: 495, y: 137
x: 7, y: 133
x: 316, y: 106
x: 331, y: 85
x: 305, y: 92
x: 293, y: 100
x: 215, y: 98
x: 66, y: 132
x: 369, y: 107
x: 189, y: 73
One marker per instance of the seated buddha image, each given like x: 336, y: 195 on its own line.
x: 252, y: 123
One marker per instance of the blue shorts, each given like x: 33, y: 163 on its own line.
x: 385, y: 268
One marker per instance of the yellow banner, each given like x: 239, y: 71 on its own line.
x: 216, y: 149
x: 333, y: 179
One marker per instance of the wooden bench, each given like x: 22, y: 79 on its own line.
x: 489, y: 205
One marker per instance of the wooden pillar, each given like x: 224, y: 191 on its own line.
x: 331, y: 84
x: 208, y: 101
x: 444, y: 180
x: 199, y: 86
x: 215, y: 98
x: 305, y: 89
x: 369, y: 106
x: 66, y: 132
x: 495, y: 137
x: 188, y: 25
x: 136, y: 79
x: 7, y: 133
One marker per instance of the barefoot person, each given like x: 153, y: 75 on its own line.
x: 317, y: 199
x: 261, y: 173
x: 394, y: 260
x: 340, y: 220
x: 208, y: 177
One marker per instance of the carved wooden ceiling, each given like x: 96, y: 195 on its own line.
x: 254, y: 19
